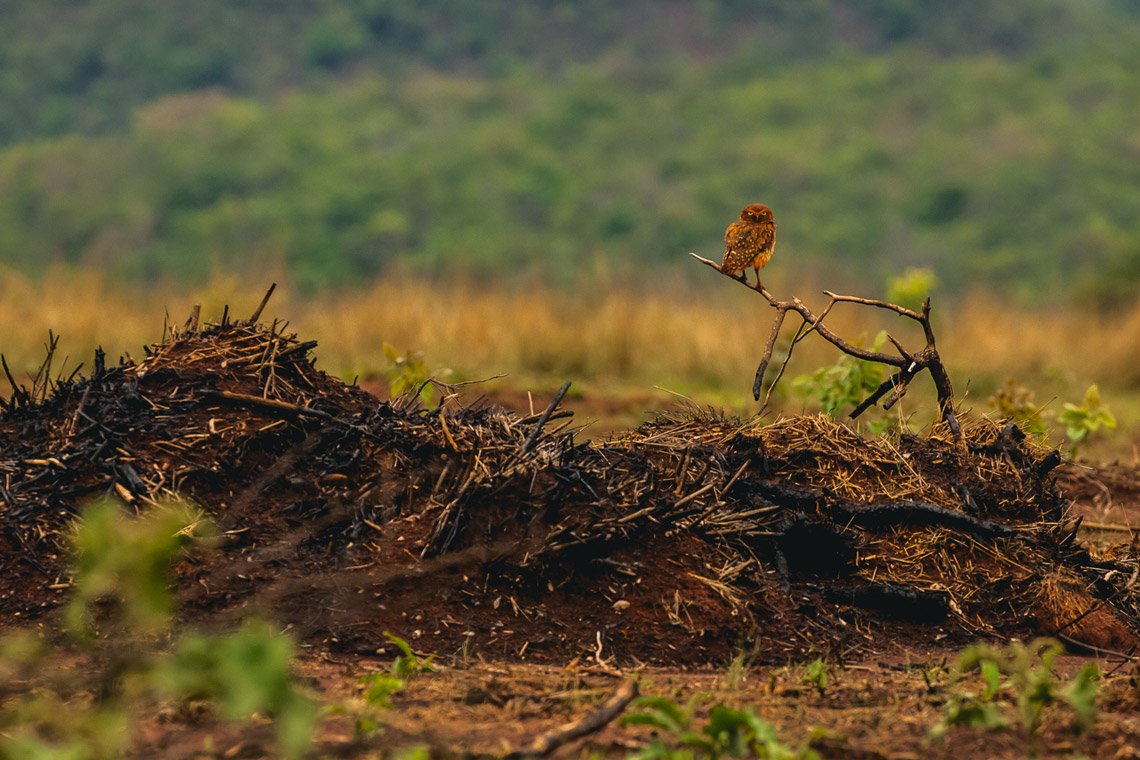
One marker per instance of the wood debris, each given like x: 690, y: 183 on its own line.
x: 468, y: 526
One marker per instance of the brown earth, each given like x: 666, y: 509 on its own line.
x: 878, y: 709
x: 537, y: 565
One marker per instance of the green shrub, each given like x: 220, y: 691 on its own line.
x: 1082, y: 421
x: 844, y: 384
x: 119, y: 619
x: 728, y: 732
x: 1024, y: 674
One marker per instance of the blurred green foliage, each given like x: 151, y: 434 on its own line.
x: 1023, y: 673
x: 407, y: 664
x: 81, y: 695
x: 68, y: 66
x: 1082, y: 420
x: 378, y: 688
x: 1014, y: 401
x: 245, y: 672
x: 408, y: 371
x: 912, y: 287
x: 728, y: 732
x: 845, y: 384
x: 991, y: 141
x: 122, y: 567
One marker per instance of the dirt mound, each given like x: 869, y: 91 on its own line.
x: 470, y: 528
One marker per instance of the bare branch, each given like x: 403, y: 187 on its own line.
x: 902, y: 351
x: 902, y: 310
x: 801, y: 333
x: 871, y: 400
x: 781, y: 312
x: 530, y: 439
x: 545, y: 744
x: 909, y: 365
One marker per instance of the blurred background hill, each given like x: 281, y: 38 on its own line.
x: 331, y: 142
x: 476, y: 188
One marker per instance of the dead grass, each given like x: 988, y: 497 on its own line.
x: 699, y: 339
x: 1077, y: 347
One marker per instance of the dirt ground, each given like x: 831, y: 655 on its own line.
x: 877, y: 708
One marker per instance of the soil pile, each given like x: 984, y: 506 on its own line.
x: 468, y: 527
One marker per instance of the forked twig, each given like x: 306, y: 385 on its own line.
x: 800, y: 335
x: 908, y: 365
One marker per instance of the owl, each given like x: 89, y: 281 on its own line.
x: 749, y: 241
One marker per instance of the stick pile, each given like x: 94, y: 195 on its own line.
x: 466, y: 526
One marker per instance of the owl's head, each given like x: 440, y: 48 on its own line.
x: 756, y: 212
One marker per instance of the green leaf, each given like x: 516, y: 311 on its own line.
x: 379, y: 687
x: 129, y: 559
x: 969, y: 712
x: 698, y: 741
x: 407, y: 665
x: 729, y: 729
x: 1081, y: 694
x: 246, y: 672
x: 416, y: 752
x: 816, y: 675
x: 659, y: 750
x: 912, y: 288
x: 1081, y: 421
x: 844, y: 383
x: 662, y: 713
x: 992, y: 676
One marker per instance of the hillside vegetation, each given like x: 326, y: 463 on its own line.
x: 331, y: 142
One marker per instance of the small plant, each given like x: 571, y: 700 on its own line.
x: 377, y: 692
x: 1014, y: 401
x: 378, y: 688
x: 912, y: 287
x: 737, y: 670
x: 843, y: 384
x: 1082, y: 421
x: 816, y: 675
x: 1023, y: 673
x: 1081, y: 695
x: 974, y: 710
x: 407, y: 665
x: 727, y: 733
x: 244, y: 673
x: 122, y: 567
x: 119, y: 621
x: 407, y: 372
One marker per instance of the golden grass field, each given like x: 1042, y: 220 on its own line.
x: 699, y: 340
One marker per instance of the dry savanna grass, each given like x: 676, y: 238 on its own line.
x: 701, y: 338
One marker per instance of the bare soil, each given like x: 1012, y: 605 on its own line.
x: 878, y: 708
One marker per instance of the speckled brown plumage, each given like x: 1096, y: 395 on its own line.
x: 749, y: 241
